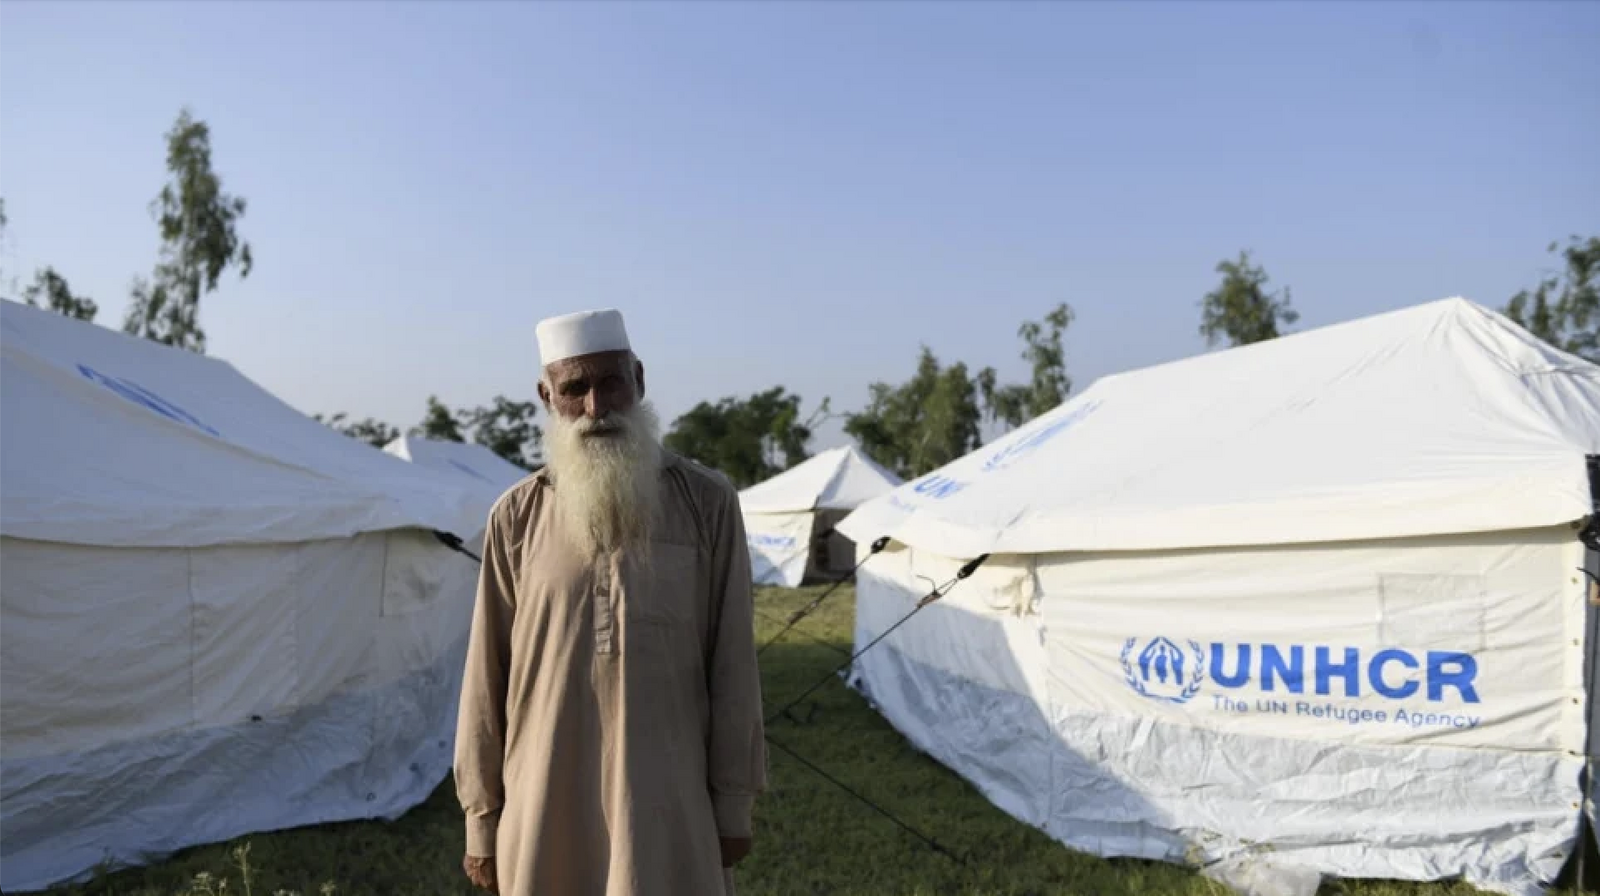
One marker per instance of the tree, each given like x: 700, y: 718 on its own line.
x: 374, y: 432
x: 1565, y: 313
x: 440, y: 423
x: 58, y: 296
x: 923, y: 424
x: 748, y: 440
x: 50, y: 287
x: 1049, y: 385
x: 198, y: 242
x: 506, y: 427
x: 1240, y: 309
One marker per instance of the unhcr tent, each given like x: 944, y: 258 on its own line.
x: 1307, y: 607
x: 789, y: 518
x: 484, y: 470
x: 217, y: 616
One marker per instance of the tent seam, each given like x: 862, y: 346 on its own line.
x: 194, y: 636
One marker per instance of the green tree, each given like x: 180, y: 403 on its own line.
x: 1049, y: 384
x: 58, y: 297
x: 198, y: 242
x: 440, y: 423
x: 374, y: 432
x: 1240, y: 309
x: 922, y: 424
x: 1565, y: 310
x: 508, y: 429
x: 748, y: 440
x: 49, y: 289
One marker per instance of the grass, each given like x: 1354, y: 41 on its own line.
x: 811, y: 837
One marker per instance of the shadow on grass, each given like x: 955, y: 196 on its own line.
x: 819, y: 839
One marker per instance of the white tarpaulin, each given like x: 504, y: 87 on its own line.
x: 485, y: 470
x: 1443, y: 417
x: 780, y: 547
x: 217, y: 616
x: 1408, y: 710
x: 780, y: 513
x: 486, y: 474
x: 121, y: 442
x: 1283, y: 639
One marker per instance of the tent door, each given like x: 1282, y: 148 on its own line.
x: 832, y: 555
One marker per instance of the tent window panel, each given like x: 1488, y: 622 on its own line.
x: 1433, y: 611
x: 245, y: 657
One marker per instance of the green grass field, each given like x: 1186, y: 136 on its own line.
x: 812, y: 839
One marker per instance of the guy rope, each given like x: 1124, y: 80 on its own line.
x: 454, y: 543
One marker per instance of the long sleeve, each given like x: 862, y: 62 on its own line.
x: 737, y: 761
x: 481, y: 723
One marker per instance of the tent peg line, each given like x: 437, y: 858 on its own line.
x: 966, y: 570
x: 842, y: 651
x: 932, y: 843
x: 454, y: 543
x: 938, y: 592
x: 810, y: 608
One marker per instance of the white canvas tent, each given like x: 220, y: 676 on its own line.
x: 1305, y: 607
x: 483, y: 470
x: 788, y: 517
x: 217, y: 616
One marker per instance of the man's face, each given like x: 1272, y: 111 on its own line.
x: 593, y: 390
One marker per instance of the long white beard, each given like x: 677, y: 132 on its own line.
x: 607, y: 488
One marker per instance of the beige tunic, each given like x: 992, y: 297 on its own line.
x: 610, y: 726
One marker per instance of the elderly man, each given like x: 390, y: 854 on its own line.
x: 610, y: 738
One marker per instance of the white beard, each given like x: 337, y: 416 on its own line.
x: 607, y: 488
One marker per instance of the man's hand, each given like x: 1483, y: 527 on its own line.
x: 734, y: 849
x: 481, y: 872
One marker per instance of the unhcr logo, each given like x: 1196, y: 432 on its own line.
x: 756, y: 539
x: 1162, y: 670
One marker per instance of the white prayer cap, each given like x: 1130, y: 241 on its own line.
x: 581, y: 333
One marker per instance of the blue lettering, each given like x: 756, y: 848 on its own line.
x: 938, y: 487
x: 1349, y: 670
x: 1283, y: 668
x: 1375, y: 674
x: 1460, y: 678
x: 1033, y: 440
x: 771, y: 541
x: 1273, y: 666
x: 141, y: 396
x: 1240, y: 676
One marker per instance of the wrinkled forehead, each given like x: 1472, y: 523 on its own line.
x: 589, y: 368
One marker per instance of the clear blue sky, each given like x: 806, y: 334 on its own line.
x: 804, y: 192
